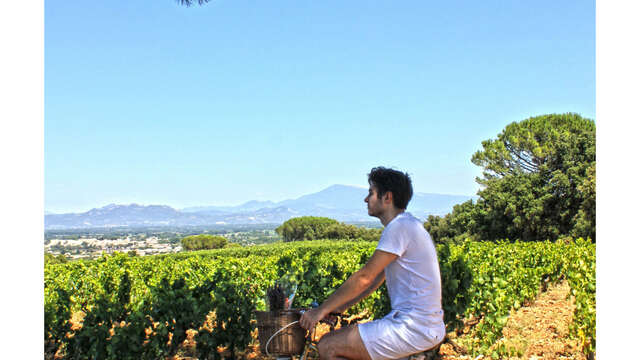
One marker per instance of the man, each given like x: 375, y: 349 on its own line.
x: 407, y: 259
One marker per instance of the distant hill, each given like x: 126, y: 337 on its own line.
x: 248, y: 206
x: 118, y: 215
x: 340, y: 202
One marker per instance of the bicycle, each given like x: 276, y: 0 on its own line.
x: 310, y: 350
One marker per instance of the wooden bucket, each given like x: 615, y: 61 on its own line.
x: 289, y: 341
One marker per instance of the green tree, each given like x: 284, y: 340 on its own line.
x: 313, y: 228
x: 203, y: 242
x: 305, y: 228
x: 536, y: 179
x: 368, y: 234
x: 586, y: 218
x: 456, y: 226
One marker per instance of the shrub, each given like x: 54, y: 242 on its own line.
x: 314, y: 228
x: 203, y: 242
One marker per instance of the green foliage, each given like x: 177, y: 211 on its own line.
x: 484, y: 280
x: 57, y: 313
x: 456, y: 279
x: 541, y: 144
x: 53, y: 259
x: 176, y: 292
x: 305, y: 228
x: 109, y: 307
x: 203, y: 242
x: 352, y: 232
x: 173, y: 293
x: 581, y: 274
x: 456, y: 226
x: 535, y: 174
x: 538, y: 184
x: 585, y: 219
x: 313, y: 228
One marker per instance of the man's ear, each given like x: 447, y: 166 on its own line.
x: 388, y: 197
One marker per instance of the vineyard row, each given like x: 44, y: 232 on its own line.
x: 142, y: 307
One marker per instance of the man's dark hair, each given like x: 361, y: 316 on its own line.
x: 399, y: 183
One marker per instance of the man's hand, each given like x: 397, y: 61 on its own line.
x: 310, y: 318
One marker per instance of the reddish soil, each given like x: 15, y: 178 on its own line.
x: 535, y: 332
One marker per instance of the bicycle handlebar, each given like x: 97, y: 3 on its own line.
x: 328, y: 322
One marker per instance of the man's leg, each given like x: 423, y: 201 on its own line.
x: 344, y: 343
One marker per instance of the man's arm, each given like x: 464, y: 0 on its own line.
x: 376, y: 284
x: 356, y: 284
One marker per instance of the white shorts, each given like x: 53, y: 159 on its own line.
x: 399, y: 335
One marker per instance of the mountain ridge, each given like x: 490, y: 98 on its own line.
x: 340, y: 202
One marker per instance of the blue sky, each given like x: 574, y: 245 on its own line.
x: 154, y: 103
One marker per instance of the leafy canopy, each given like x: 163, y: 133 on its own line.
x: 313, y: 228
x: 203, y: 242
x: 538, y: 183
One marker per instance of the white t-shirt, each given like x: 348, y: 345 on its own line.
x: 413, y: 279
